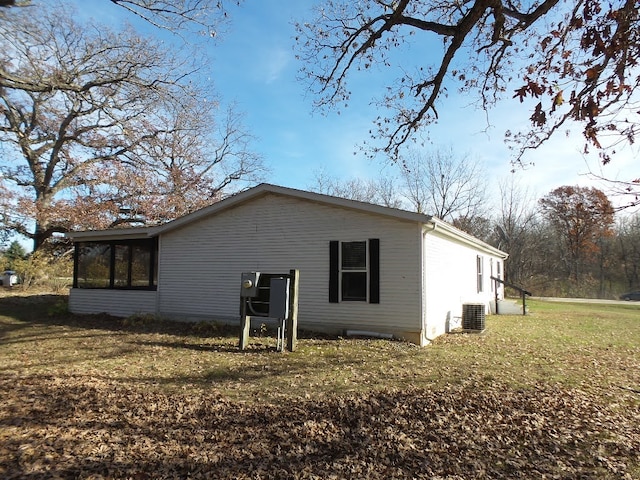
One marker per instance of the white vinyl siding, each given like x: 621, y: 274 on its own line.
x: 451, y: 278
x: 120, y: 303
x: 201, y: 263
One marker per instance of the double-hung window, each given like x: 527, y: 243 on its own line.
x: 354, y: 272
x: 480, y: 272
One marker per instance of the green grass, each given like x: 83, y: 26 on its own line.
x: 555, y: 394
x: 592, y: 346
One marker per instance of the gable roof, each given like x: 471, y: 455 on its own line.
x: 263, y: 189
x: 266, y: 188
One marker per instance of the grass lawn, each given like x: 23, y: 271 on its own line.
x: 555, y: 394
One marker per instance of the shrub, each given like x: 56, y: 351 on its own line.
x: 59, y: 308
x: 139, y: 320
x: 43, y: 270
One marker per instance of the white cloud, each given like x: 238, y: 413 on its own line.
x: 274, y: 63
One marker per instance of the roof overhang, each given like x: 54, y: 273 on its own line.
x: 113, y: 234
x: 428, y: 222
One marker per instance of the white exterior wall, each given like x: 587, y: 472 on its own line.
x: 450, y: 279
x: 120, y: 303
x: 200, y: 264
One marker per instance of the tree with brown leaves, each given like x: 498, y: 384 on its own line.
x: 580, y: 217
x: 578, y: 60
x: 102, y: 128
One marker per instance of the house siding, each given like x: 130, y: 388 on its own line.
x: 120, y: 303
x: 450, y: 280
x: 201, y: 263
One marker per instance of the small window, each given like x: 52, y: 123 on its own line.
x: 353, y: 271
x: 479, y: 268
x: 122, y: 266
x: 93, y: 265
x: 491, y: 282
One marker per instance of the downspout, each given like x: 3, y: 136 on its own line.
x: 423, y: 297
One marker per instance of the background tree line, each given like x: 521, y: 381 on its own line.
x: 103, y: 127
x: 566, y: 243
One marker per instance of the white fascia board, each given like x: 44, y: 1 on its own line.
x: 112, y: 234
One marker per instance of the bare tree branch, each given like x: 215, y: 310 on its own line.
x: 581, y: 64
x: 94, y: 121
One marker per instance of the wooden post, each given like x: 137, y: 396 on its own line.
x: 292, y: 320
x: 245, y: 324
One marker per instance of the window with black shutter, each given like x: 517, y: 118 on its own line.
x: 354, y: 271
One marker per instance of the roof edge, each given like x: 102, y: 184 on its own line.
x: 467, y: 238
x: 113, y: 233
x: 265, y: 188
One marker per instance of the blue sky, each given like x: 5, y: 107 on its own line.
x: 253, y: 64
x: 258, y: 68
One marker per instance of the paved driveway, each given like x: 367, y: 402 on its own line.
x: 587, y: 300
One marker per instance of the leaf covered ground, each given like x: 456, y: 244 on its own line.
x: 80, y: 400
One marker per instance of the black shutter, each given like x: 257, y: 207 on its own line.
x: 333, y: 271
x: 374, y: 270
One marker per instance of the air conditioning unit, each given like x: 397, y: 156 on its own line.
x: 473, y: 316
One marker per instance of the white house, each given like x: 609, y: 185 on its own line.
x: 362, y: 266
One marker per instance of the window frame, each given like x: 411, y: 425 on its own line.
x: 353, y: 272
x: 480, y: 273
x: 146, y: 246
x: 371, y: 269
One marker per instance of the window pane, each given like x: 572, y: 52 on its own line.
x: 140, y: 266
x: 132, y: 267
x: 354, y: 255
x: 354, y: 286
x: 122, y: 266
x: 94, y: 260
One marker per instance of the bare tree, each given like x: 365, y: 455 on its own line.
x: 628, y: 239
x: 515, y: 229
x: 382, y: 191
x: 179, y: 15
x: 175, y: 16
x: 94, y: 121
x: 440, y: 183
x: 576, y: 60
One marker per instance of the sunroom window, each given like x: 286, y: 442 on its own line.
x: 128, y: 264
